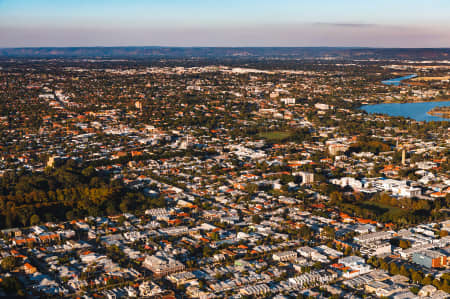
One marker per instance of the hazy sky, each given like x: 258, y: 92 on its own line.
x: 375, y: 23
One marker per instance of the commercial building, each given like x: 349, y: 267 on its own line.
x: 162, y: 265
x: 284, y: 256
x: 430, y: 259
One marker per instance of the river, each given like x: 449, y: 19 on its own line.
x: 417, y: 111
x: 397, y: 81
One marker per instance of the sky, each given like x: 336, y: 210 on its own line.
x: 225, y: 23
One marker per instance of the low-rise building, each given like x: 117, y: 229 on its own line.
x: 284, y: 256
x: 430, y: 258
x: 162, y: 265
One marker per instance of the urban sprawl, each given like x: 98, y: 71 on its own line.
x: 233, y: 178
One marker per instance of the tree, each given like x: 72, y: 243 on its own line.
x: 256, y: 219
x: 445, y: 286
x: 70, y: 215
x: 305, y: 232
x: 35, y: 219
x: 9, y: 263
x: 251, y: 188
x: 329, y: 232
x: 12, y: 285
x: 214, y: 236
x: 121, y: 219
x: 416, y: 276
x: 23, y: 218
x: 124, y: 206
x: 347, y: 251
x: 393, y: 269
x: 404, y: 244
x: 404, y: 271
x: 437, y: 283
x: 414, y: 290
x: 427, y: 280
x: 446, y: 276
x: 207, y: 251
x: 336, y: 196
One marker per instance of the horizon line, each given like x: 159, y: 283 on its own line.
x: 223, y: 47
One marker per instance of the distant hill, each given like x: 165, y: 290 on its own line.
x: 212, y: 52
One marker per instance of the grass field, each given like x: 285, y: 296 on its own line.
x: 380, y: 208
x: 275, y: 135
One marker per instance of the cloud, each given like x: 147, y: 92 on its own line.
x: 352, y: 25
x: 305, y: 34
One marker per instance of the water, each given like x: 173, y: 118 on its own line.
x: 397, y: 81
x: 417, y: 111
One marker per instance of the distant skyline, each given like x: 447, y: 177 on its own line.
x: 230, y: 23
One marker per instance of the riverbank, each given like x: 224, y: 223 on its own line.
x: 440, y: 112
x: 410, y: 102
